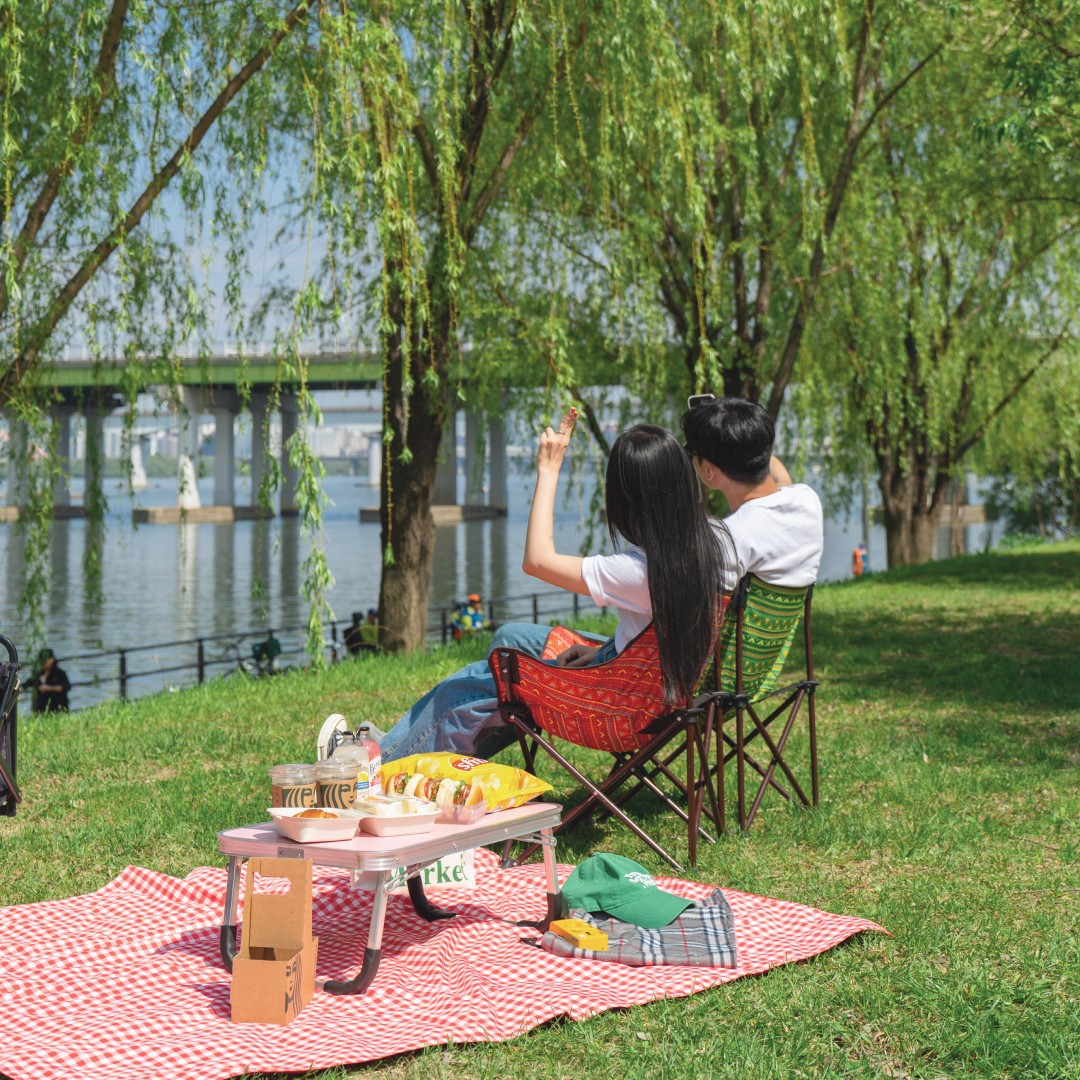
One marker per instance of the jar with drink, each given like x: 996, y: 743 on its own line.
x: 361, y: 749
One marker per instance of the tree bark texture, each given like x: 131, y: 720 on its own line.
x: 912, y: 501
x: 416, y: 426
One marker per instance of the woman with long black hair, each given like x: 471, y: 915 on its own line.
x: 670, y: 575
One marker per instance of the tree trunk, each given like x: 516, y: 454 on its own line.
x: 408, y: 529
x: 912, y: 506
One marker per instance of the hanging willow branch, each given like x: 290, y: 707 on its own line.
x: 25, y: 359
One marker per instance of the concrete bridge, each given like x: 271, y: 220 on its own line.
x: 208, y: 384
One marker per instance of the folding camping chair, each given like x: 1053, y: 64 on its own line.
x: 608, y: 707
x: 758, y: 631
x: 10, y: 795
x: 618, y: 707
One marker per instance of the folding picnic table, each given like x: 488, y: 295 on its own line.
x: 379, y: 857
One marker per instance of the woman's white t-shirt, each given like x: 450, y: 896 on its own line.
x: 779, y: 537
x: 621, y: 580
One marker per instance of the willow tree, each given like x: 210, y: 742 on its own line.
x: 958, y: 284
x: 723, y: 152
x: 426, y: 112
x: 1032, y: 452
x: 103, y: 105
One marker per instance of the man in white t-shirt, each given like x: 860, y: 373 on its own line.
x: 775, y: 525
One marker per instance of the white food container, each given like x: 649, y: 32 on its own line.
x: 400, y: 824
x: 313, y: 830
x: 379, y: 806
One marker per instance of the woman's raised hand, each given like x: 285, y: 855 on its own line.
x: 553, y: 443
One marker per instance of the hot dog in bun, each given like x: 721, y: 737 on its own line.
x: 452, y: 792
x: 444, y: 793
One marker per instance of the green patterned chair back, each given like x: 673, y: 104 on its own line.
x: 771, y: 617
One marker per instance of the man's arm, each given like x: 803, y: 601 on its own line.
x: 778, y: 472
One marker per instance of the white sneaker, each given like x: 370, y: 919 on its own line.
x: 330, y: 735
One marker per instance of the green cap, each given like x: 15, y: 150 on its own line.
x: 622, y: 888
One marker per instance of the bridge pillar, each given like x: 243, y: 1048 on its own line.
x: 187, y: 490
x: 445, y: 490
x: 260, y: 407
x: 138, y: 455
x: 226, y: 406
x: 474, y: 459
x: 190, y: 442
x: 497, y: 462
x: 374, y: 460
x: 290, y: 413
x: 17, y: 465
x: 61, y: 418
x: 94, y: 415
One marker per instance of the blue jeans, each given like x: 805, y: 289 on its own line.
x: 460, y: 709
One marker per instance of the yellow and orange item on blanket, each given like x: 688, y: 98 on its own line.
x: 580, y: 933
x: 502, y: 786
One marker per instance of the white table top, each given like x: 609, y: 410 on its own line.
x: 367, y: 852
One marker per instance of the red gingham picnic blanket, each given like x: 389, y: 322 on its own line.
x: 128, y: 982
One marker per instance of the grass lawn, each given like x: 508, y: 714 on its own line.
x: 949, y: 737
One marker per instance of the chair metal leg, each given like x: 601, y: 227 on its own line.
x: 740, y: 767
x: 694, y: 813
x: 596, y: 794
x: 728, y: 748
x: 721, y: 793
x: 777, y: 751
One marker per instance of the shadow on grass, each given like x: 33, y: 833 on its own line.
x: 996, y: 661
x: 959, y: 632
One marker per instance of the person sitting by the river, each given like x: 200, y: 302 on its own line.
x: 266, y: 651
x: 670, y: 574
x: 775, y: 525
x: 468, y: 618
x: 51, y: 685
x: 363, y: 636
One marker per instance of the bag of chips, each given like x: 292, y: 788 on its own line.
x: 502, y: 786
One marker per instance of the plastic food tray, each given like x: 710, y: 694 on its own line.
x: 462, y: 815
x: 314, y: 830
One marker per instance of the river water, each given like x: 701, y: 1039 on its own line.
x: 165, y: 583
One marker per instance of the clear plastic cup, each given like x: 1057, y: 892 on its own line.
x: 292, y: 785
x: 337, y: 783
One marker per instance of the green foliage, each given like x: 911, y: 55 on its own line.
x: 103, y: 103
x: 1037, y: 110
x: 954, y: 285
x: 1033, y: 454
x: 777, y: 199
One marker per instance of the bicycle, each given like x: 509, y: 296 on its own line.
x: 259, y: 665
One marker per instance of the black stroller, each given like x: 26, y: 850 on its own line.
x: 10, y: 795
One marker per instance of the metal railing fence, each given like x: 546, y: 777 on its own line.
x: 139, y: 670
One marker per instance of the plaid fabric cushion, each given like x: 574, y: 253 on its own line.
x: 702, y: 936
